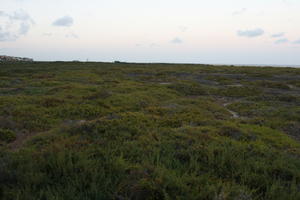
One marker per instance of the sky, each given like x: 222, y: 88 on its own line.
x: 176, y: 31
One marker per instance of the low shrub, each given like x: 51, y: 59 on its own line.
x: 7, y: 135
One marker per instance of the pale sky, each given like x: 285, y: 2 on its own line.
x: 183, y: 31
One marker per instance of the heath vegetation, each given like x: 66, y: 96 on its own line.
x: 72, y: 130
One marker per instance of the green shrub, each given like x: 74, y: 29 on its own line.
x: 51, y: 102
x: 239, y: 91
x: 272, y: 84
x: 187, y: 88
x: 7, y: 135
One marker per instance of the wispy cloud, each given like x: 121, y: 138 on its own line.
x: 288, y: 3
x: 183, y: 28
x: 65, y: 21
x: 14, y: 25
x: 24, y: 28
x: 296, y: 42
x: 20, y: 15
x: 251, y: 33
x: 281, y: 41
x: 153, y: 45
x: 239, y: 12
x: 276, y: 35
x: 177, y: 41
x: 7, y: 36
x: 72, y: 35
x: 47, y: 34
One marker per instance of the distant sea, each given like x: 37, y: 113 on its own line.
x: 262, y: 65
x: 193, y: 63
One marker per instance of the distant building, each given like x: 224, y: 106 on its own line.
x: 14, y: 59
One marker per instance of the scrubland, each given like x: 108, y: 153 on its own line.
x: 71, y: 130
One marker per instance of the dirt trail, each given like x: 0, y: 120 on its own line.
x: 20, y: 140
x: 234, y: 114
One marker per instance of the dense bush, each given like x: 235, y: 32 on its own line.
x: 189, y: 88
x: 7, y: 135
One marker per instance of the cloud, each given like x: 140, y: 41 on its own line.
x: 153, y: 45
x: 176, y: 41
x: 281, y: 41
x: 24, y: 28
x: 250, y: 33
x: 286, y: 2
x: 183, y: 28
x: 47, y: 34
x: 72, y: 35
x: 65, y: 21
x: 296, y: 42
x: 14, y: 25
x: 276, y: 35
x: 20, y: 15
x: 2, y: 13
x: 239, y: 12
x: 7, y: 36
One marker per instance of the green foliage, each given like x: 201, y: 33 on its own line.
x: 148, y: 131
x: 189, y: 88
x: 238, y: 91
x: 272, y: 84
x: 7, y: 135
